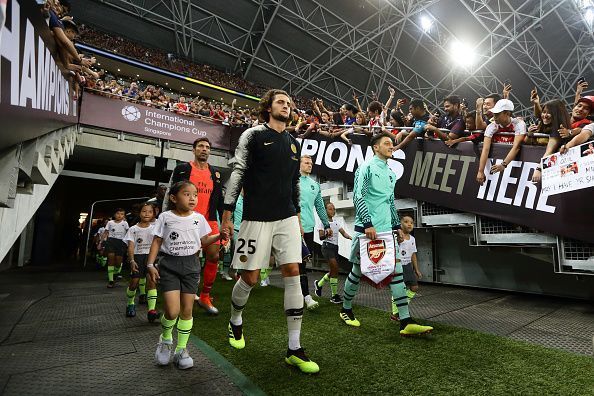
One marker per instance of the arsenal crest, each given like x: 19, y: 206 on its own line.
x: 378, y: 258
x: 376, y: 250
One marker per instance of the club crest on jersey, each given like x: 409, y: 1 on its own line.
x: 173, y: 236
x: 293, y: 148
x: 376, y: 250
x: 217, y: 175
x: 243, y: 258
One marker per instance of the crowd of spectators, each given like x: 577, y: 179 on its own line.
x: 155, y: 96
x: 162, y: 59
x: 492, y: 121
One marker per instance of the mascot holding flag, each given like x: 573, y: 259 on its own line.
x: 374, y: 249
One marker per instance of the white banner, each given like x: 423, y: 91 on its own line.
x: 378, y: 256
x: 571, y: 171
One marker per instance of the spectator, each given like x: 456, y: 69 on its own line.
x: 553, y: 115
x: 504, y: 122
x: 325, y: 127
x: 357, y: 127
x: 475, y: 136
x: 579, y: 116
x: 181, y: 106
x: 132, y: 91
x: 147, y: 101
x: 396, y: 120
x: 345, y: 116
x: 483, y: 110
x: 217, y: 112
x: 420, y: 119
x: 375, y: 113
x: 586, y: 133
x: 452, y: 120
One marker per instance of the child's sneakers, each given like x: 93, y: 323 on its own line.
x: 163, y: 352
x: 182, y: 359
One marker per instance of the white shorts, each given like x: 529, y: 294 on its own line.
x: 258, y: 240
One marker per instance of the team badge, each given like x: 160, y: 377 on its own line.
x: 243, y: 258
x: 376, y: 250
x: 293, y: 148
x: 139, y: 240
x: 217, y: 175
x: 312, y: 188
x: 173, y: 236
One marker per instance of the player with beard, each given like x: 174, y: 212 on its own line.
x: 207, y: 180
x: 267, y: 168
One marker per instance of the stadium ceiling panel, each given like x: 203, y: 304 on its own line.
x: 332, y: 48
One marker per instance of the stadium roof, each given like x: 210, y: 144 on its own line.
x: 328, y: 48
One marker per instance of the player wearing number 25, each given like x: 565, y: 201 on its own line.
x: 267, y: 168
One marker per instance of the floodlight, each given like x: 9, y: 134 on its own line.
x: 462, y: 54
x: 426, y: 23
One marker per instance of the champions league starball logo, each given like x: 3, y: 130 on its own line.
x: 173, y: 236
x: 131, y: 113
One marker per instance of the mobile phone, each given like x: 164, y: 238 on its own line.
x: 465, y: 102
x: 507, y: 82
x: 582, y: 80
x: 404, y: 101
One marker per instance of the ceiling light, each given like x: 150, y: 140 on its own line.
x: 426, y: 23
x: 462, y: 54
x: 137, y: 75
x: 118, y: 69
x: 166, y: 83
x: 182, y: 87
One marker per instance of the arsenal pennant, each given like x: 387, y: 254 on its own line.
x: 378, y: 258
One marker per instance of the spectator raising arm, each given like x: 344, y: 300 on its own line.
x: 356, y: 99
x: 535, y: 99
x: 480, y: 122
x: 581, y: 85
x: 507, y: 88
x: 392, y: 92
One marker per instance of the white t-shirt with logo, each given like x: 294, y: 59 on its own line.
x: 518, y: 125
x: 142, y: 238
x: 335, y: 225
x: 117, y: 230
x: 181, y: 234
x: 407, y: 248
